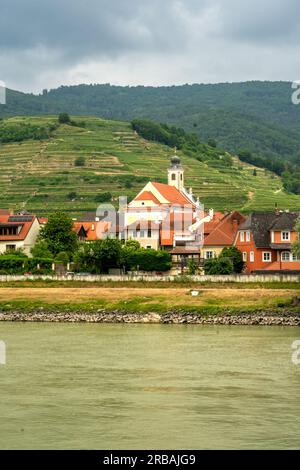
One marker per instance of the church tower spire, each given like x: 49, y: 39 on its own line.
x: 176, y: 173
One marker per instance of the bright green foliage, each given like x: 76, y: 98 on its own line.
x: 218, y: 266
x: 41, y: 250
x: 58, y: 234
x: 192, y: 267
x: 62, y: 257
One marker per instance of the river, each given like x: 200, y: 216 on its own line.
x: 101, y: 386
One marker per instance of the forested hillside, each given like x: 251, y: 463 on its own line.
x: 256, y: 120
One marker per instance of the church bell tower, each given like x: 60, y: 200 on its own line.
x: 176, y: 173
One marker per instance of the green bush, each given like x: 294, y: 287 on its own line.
x: 218, y: 266
x: 11, y: 264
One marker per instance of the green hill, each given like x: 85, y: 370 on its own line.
x: 255, y: 115
x: 46, y: 175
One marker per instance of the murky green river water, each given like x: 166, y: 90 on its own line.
x: 148, y: 386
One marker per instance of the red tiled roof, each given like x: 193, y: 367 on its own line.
x: 94, y: 230
x: 172, y: 194
x: 43, y: 220
x: 25, y: 227
x: 225, y: 231
x: 147, y: 196
x: 210, y: 226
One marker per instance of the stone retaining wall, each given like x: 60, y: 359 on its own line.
x: 283, y: 318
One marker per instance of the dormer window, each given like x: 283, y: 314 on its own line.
x: 285, y: 236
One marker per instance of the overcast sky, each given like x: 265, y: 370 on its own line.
x: 47, y: 43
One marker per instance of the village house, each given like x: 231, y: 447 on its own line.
x: 265, y: 239
x: 18, y: 231
x: 220, y: 232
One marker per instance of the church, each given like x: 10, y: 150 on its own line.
x: 167, y: 216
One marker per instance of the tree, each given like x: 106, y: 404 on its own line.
x: 296, y: 244
x: 235, y: 256
x: 218, y: 266
x: 62, y: 258
x: 41, y: 250
x: 99, y: 256
x: 103, y: 197
x: 64, y: 118
x: 192, y: 267
x: 79, y: 161
x: 59, y: 235
x: 72, y: 195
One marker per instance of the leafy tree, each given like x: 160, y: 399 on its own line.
x: 62, y: 258
x: 59, y: 235
x: 64, y: 118
x: 79, y: 161
x: 218, y: 266
x: 72, y: 195
x: 41, y: 250
x: 99, y: 256
x: 192, y: 267
x: 235, y: 255
x: 103, y: 197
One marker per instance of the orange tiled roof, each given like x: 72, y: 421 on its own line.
x: 147, y: 196
x: 172, y: 194
x: 94, y: 230
x: 225, y: 231
x: 25, y: 227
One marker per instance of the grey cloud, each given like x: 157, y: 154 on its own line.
x: 45, y: 43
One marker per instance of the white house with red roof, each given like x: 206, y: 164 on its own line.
x: 18, y: 231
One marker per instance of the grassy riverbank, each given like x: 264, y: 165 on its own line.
x: 211, y: 299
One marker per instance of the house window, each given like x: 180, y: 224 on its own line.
x: 242, y: 236
x: 285, y: 236
x: 149, y: 233
x: 266, y: 257
x: 142, y: 234
x: 295, y: 257
x: 149, y: 247
x: 181, y: 177
x: 248, y: 236
x: 209, y: 254
x: 244, y: 256
x: 134, y: 234
x: 285, y: 256
x: 11, y: 247
x: 173, y: 177
x: 251, y: 256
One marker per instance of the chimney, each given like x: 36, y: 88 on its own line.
x: 276, y: 209
x: 211, y: 213
x: 93, y: 227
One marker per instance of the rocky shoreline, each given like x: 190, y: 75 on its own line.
x: 282, y: 318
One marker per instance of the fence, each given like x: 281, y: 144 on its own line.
x: 155, y: 278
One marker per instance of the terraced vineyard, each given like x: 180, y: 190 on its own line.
x: 41, y: 176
